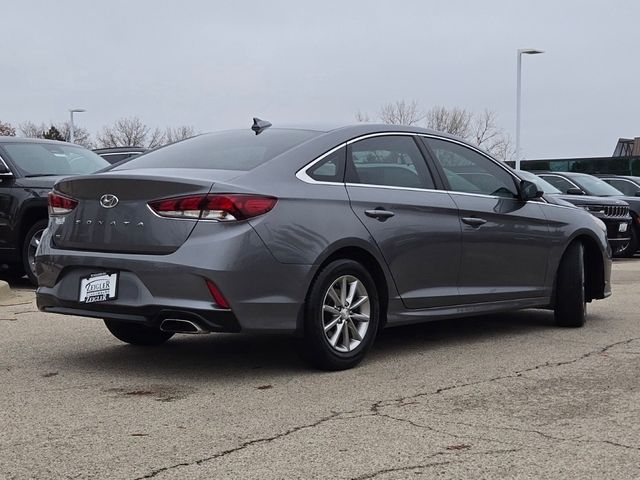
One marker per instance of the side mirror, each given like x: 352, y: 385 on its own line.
x: 574, y: 191
x: 529, y: 190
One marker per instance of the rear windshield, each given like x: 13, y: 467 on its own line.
x: 230, y: 150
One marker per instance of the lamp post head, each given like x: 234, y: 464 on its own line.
x: 77, y: 110
x: 529, y: 51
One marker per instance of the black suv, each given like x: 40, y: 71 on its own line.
x: 28, y: 169
x: 614, y: 213
x: 573, y: 183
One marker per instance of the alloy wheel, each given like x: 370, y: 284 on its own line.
x: 33, y: 246
x: 345, y: 313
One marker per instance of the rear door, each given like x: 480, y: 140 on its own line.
x: 415, y: 226
x: 505, y: 241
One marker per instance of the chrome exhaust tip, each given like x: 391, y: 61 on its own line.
x: 180, y: 325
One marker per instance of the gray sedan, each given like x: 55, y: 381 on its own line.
x: 326, y: 233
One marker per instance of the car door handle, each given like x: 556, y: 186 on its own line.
x: 473, y: 221
x: 379, y: 214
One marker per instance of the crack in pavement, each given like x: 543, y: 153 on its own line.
x: 578, y: 439
x: 407, y: 468
x: 398, y: 403
x: 244, y: 445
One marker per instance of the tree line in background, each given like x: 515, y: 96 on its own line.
x: 480, y: 129
x: 125, y: 132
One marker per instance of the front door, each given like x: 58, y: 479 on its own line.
x: 504, y: 239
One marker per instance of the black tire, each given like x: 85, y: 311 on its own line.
x: 630, y: 248
x: 347, y: 350
x: 571, y: 306
x: 28, y: 249
x: 137, y: 334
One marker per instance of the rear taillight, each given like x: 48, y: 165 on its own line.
x: 60, y: 205
x: 225, y: 207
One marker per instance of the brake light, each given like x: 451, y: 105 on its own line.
x: 226, y: 207
x: 60, y: 205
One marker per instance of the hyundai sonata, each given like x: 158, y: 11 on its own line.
x: 327, y: 233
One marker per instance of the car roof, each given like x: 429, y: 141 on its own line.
x: 6, y: 139
x: 119, y: 149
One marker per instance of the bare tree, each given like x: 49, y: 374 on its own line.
x: 480, y: 129
x: 6, y: 130
x: 401, y: 113
x: 81, y: 135
x: 175, y: 134
x: 33, y: 130
x: 455, y: 121
x: 362, y: 117
x: 127, y: 132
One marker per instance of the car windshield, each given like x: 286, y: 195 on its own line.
x: 230, y: 150
x: 596, y: 186
x: 48, y: 159
x: 543, y: 185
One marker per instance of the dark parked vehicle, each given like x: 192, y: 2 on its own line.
x: 28, y: 169
x: 613, y: 212
x: 118, y: 154
x: 571, y: 183
x: 627, y: 184
x: 328, y: 234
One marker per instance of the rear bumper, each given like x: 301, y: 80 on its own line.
x: 212, y: 320
x: 264, y: 295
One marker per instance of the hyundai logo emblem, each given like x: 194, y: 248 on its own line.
x: 109, y: 200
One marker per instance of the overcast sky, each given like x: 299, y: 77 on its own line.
x: 214, y: 64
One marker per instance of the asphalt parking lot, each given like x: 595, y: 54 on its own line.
x: 501, y: 396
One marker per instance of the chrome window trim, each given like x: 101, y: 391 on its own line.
x: 9, y: 172
x: 621, y: 180
x: 393, y: 187
x: 302, y: 175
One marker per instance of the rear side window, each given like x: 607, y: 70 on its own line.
x: 625, y: 186
x: 393, y: 160
x: 231, y: 150
x: 331, y: 168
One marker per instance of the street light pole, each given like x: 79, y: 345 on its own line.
x: 521, y: 51
x: 71, y: 126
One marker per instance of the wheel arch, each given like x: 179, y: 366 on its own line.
x: 594, y: 267
x: 373, y: 264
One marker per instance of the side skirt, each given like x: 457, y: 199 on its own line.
x: 409, y: 316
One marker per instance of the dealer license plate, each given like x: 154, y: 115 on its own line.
x: 98, y: 287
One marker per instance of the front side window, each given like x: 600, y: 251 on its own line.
x: 48, y: 159
x: 560, y: 183
x: 470, y: 172
x: 393, y: 160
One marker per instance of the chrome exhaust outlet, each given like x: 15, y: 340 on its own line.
x: 179, y: 325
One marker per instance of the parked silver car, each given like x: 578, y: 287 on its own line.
x: 330, y: 234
